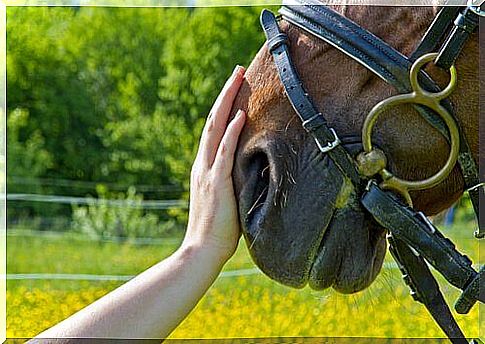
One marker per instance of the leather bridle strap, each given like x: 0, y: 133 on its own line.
x: 312, y: 120
x: 424, y: 287
x: 463, y: 26
x: 363, y: 47
x: 392, y: 66
x: 436, y: 33
x: 409, y: 228
x: 463, y: 23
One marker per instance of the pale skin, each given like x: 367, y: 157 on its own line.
x: 153, y: 303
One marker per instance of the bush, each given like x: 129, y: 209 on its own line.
x: 102, y: 220
x: 115, y: 95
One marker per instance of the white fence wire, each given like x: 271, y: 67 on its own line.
x: 148, y: 204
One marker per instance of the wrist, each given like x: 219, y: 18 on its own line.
x: 203, y: 254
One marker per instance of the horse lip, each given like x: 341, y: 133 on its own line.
x: 319, y: 249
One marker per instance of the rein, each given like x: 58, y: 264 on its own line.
x: 413, y: 240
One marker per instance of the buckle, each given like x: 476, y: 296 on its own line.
x: 475, y: 8
x: 329, y: 146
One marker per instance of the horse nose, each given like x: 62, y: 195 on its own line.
x: 256, y: 182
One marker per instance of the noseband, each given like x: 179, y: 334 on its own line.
x: 413, y: 240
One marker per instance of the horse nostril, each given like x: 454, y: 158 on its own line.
x: 259, y: 173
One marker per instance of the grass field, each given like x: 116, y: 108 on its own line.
x: 243, y: 306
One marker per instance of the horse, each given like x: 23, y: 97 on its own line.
x: 300, y: 216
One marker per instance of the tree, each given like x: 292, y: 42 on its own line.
x: 117, y: 95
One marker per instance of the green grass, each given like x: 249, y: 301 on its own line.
x: 246, y: 306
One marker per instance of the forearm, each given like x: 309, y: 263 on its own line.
x: 149, y: 306
x: 153, y: 304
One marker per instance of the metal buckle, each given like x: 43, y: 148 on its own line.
x: 330, y: 145
x: 476, y: 8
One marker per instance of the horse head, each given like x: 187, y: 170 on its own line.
x: 301, y: 217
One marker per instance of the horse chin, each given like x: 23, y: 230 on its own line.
x: 302, y: 219
x: 351, y: 254
x: 347, y: 258
x: 309, y: 237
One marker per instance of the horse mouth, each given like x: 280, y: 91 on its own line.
x: 327, y: 263
x: 297, y: 229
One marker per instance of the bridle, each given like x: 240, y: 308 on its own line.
x: 413, y: 240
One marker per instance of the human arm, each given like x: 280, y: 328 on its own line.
x: 152, y: 304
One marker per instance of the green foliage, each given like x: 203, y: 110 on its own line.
x: 42, y: 79
x: 117, y: 94
x: 28, y: 157
x: 100, y: 220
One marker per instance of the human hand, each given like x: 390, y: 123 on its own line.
x: 152, y: 304
x: 213, y: 216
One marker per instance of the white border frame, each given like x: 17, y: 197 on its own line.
x: 147, y: 3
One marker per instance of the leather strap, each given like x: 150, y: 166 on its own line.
x: 415, y: 230
x: 436, y: 33
x: 424, y: 288
x: 387, y: 63
x: 365, y: 48
x: 312, y: 120
x: 465, y: 23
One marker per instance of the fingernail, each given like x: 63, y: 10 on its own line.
x: 239, y: 113
x: 237, y: 69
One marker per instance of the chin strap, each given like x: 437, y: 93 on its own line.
x: 424, y: 287
x: 414, y: 242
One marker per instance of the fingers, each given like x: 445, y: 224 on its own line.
x: 217, y: 121
x: 224, y: 159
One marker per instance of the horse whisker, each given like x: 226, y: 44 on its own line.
x: 275, y: 199
x: 289, y: 122
x: 264, y: 170
x: 255, y: 237
x: 254, y: 207
x: 255, y: 204
x: 290, y: 177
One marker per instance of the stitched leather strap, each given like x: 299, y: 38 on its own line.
x: 388, y: 64
x: 424, y: 288
x: 436, y: 33
x: 313, y: 121
x: 465, y: 23
x: 415, y: 230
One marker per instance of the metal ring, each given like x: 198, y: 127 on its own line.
x: 430, y: 100
x: 414, y: 73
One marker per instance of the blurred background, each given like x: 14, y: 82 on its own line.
x: 105, y: 108
x: 109, y: 104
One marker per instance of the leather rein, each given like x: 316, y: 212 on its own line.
x: 413, y: 240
